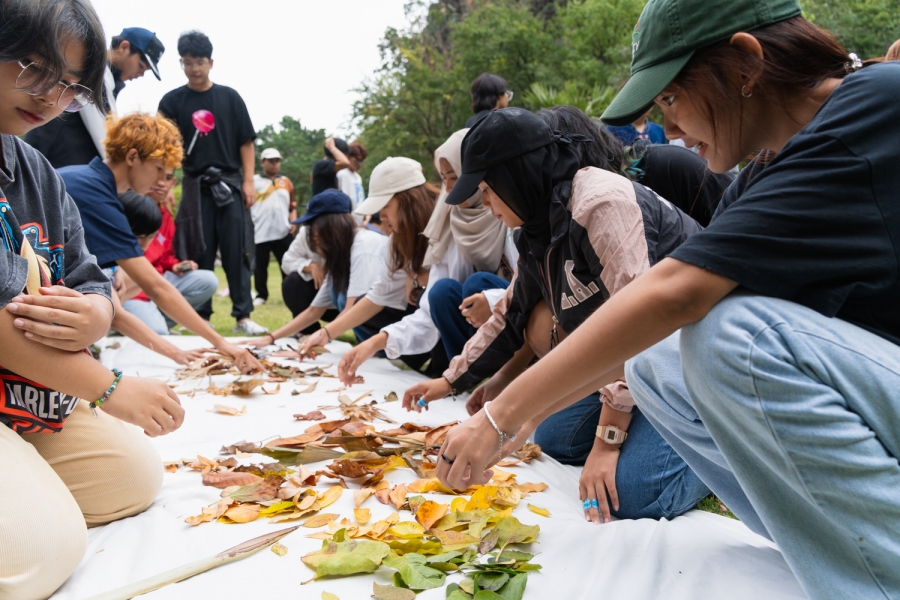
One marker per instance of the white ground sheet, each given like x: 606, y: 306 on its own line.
x: 698, y: 555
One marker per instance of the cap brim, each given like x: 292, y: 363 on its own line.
x: 638, y: 95
x: 373, y: 204
x: 303, y: 219
x: 153, y: 66
x: 465, y: 187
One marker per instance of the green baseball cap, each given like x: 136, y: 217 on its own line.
x: 670, y: 31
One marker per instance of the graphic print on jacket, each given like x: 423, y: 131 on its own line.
x: 611, y: 231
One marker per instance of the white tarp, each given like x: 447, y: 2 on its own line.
x: 698, y: 555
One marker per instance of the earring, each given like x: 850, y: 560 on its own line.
x: 745, y: 93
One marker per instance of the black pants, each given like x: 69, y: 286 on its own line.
x: 298, y: 294
x: 224, y: 228
x: 261, y: 272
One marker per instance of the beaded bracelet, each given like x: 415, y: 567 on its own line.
x: 93, y: 405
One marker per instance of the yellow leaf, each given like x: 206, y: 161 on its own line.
x: 242, y: 513
x: 502, y: 475
x: 319, y: 520
x: 507, y: 496
x: 538, y: 510
x: 529, y: 488
x: 362, y: 515
x: 279, y: 549
x: 458, y: 504
x: 407, y: 530
x: 423, y: 486
x: 330, y: 496
x: 482, y: 498
x: 398, y: 496
x: 359, y: 496
x: 430, y: 512
x: 329, y: 596
x: 454, y: 540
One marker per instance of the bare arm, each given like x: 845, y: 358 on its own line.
x: 670, y: 295
x: 130, y: 326
x: 248, y: 164
x: 340, y: 159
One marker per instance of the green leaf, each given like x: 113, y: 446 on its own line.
x: 508, y: 531
x: 446, y: 556
x: 514, y: 588
x: 455, y: 593
x: 467, y: 585
x: 487, y: 595
x: 346, y: 558
x: 345, y: 564
x: 446, y: 567
x: 389, y: 592
x: 414, y: 572
x: 513, y: 555
x: 290, y: 456
x: 491, y: 581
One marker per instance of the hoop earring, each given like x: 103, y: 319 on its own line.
x: 744, y: 92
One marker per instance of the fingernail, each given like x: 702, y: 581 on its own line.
x: 13, y: 308
x: 18, y: 299
x: 29, y: 335
x: 587, y: 518
x: 606, y: 520
x: 19, y: 322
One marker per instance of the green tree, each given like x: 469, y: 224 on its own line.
x: 867, y: 27
x: 299, y: 147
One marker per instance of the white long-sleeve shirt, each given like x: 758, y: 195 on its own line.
x: 368, y: 260
x: 299, y: 256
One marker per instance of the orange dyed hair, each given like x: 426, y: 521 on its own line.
x: 153, y: 136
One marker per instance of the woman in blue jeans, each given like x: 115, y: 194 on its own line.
x: 782, y: 395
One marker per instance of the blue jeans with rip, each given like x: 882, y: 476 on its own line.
x: 444, y: 299
x: 791, y: 418
x: 651, y: 479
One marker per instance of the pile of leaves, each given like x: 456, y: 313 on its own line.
x: 470, y: 534
x: 220, y: 364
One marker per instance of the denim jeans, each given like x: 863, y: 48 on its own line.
x: 792, y: 419
x: 444, y: 298
x: 651, y: 479
x: 197, y: 287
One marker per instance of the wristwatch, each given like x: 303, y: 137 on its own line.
x: 611, y: 434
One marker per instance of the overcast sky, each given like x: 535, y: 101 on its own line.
x: 286, y: 57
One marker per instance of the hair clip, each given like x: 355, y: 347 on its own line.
x: 853, y: 64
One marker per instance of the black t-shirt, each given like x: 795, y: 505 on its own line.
x: 684, y: 179
x: 324, y: 176
x: 820, y: 224
x: 219, y: 147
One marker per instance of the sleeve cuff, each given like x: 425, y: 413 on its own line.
x: 493, y: 296
x: 391, y: 348
x: 617, y: 396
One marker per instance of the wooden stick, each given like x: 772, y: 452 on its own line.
x: 239, y: 552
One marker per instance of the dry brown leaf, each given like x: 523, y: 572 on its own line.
x: 224, y: 480
x: 349, y: 468
x: 530, y: 488
x: 316, y: 415
x: 429, y: 513
x: 258, y: 491
x: 362, y: 515
x: 398, y: 496
x: 242, y: 513
x: 210, y: 513
x: 320, y: 520
x: 172, y: 467
x: 330, y: 426
x: 360, y: 496
x: 243, y: 388
x: 436, y: 436
x: 529, y: 452
x: 297, y: 441
x: 229, y: 410
x: 310, y: 389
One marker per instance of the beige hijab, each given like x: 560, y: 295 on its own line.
x: 479, y: 235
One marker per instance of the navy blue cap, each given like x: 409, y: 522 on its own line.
x: 147, y: 43
x: 325, y: 203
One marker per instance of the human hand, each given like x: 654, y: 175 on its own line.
x: 511, y: 446
x: 186, y: 357
x: 242, y: 357
x: 329, y: 142
x: 469, y: 449
x: 318, y: 273
x: 486, y: 392
x: 147, y: 403
x: 433, y: 389
x: 62, y: 318
x: 258, y: 342
x: 292, y: 230
x: 118, y: 282
x: 355, y: 357
x: 598, y: 478
x: 184, y: 266
x: 319, y: 338
x: 249, y: 191
x: 476, y: 309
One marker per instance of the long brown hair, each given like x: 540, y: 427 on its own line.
x: 331, y: 235
x: 797, y: 57
x: 414, y: 209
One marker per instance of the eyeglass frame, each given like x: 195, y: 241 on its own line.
x: 65, y: 87
x: 202, y: 63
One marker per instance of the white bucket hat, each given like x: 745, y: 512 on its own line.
x: 392, y: 175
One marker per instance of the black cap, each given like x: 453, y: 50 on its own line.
x: 147, y: 43
x: 328, y: 202
x: 501, y: 135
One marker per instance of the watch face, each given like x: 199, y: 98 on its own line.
x: 610, y: 435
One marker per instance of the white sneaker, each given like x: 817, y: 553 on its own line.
x: 248, y: 327
x: 259, y: 301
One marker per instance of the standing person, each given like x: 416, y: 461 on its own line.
x: 325, y: 170
x: 779, y: 385
x: 76, y: 139
x: 642, y: 129
x: 63, y: 469
x: 488, y: 91
x: 218, y: 188
x: 273, y: 212
x: 195, y: 284
x: 349, y: 180
x: 138, y: 148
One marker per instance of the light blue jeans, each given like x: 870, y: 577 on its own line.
x: 793, y: 420
x: 197, y: 287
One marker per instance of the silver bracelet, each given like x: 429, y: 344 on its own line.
x: 503, y: 436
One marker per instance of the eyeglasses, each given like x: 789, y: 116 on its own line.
x: 185, y: 65
x: 33, y: 79
x: 357, y: 159
x: 510, y: 94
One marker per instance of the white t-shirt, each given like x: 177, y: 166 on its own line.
x: 368, y: 260
x: 270, y: 212
x: 351, y: 184
x: 299, y: 256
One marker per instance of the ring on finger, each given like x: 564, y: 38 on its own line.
x: 449, y: 461
x: 586, y: 504
x: 594, y: 503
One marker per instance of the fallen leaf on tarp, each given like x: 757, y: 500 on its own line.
x: 320, y: 520
x: 264, y: 489
x: 229, y: 410
x: 414, y: 572
x: 454, y: 540
x: 359, y: 496
x: 362, y: 515
x: 329, y: 596
x: 397, y: 496
x: 114, y: 346
x: 349, y: 468
x: 224, y: 480
x: 530, y: 488
x: 243, y: 388
x: 407, y: 530
x: 309, y: 390
x: 391, y: 397
x: 310, y: 454
x: 330, y: 496
x: 346, y: 558
x: 429, y: 513
x: 295, y: 442
x: 210, y: 513
x: 242, y: 513
x: 242, y: 446
x: 316, y: 415
x: 389, y: 592
x: 279, y: 549
x: 538, y: 510
x: 436, y: 436
x: 508, y: 531
x: 172, y: 467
